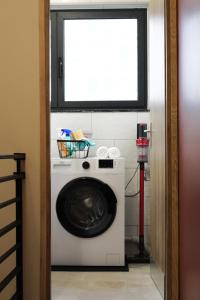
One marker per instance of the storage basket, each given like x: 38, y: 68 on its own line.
x: 73, y: 148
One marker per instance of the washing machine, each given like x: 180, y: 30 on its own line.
x: 87, y: 212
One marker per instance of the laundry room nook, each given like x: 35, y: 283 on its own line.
x: 121, y: 133
x: 101, y: 159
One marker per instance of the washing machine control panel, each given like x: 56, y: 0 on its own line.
x: 86, y: 165
x: 106, y: 164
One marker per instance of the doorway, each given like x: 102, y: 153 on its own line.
x: 168, y: 136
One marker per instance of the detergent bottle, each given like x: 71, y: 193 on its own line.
x: 65, y: 133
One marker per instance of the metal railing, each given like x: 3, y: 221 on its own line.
x: 17, y: 272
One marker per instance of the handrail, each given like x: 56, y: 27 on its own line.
x: 8, y: 202
x: 17, y: 272
x: 15, y: 176
x: 15, y: 156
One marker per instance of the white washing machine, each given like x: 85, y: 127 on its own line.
x: 87, y: 208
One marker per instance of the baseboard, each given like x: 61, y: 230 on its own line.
x: 124, y: 268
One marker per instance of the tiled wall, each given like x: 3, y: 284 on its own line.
x: 111, y: 129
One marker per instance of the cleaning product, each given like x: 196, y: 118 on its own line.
x: 78, y: 135
x: 65, y: 133
x: 67, y: 148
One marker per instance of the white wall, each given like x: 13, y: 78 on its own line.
x: 110, y: 129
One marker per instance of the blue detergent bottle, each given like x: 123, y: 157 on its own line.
x: 66, y: 134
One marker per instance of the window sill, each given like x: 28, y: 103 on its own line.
x: 64, y: 110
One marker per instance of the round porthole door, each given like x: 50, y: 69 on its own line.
x: 86, y: 207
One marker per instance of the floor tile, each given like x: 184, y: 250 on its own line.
x: 135, y: 284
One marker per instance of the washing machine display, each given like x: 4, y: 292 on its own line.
x: 86, y: 207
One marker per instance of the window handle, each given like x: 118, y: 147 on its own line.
x: 60, y: 68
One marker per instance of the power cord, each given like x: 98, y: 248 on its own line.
x: 136, y: 170
x: 134, y: 195
x: 134, y: 174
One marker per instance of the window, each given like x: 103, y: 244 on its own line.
x: 99, y: 59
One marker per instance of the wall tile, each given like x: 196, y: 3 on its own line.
x: 143, y: 117
x: 54, y: 149
x: 72, y: 121
x: 133, y: 186
x: 147, y: 211
x: 131, y: 203
x: 131, y: 211
x: 147, y: 187
x: 129, y: 151
x: 114, y: 125
x: 147, y: 199
x: 131, y: 232
x: 147, y: 237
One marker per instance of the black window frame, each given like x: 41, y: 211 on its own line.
x: 57, y: 59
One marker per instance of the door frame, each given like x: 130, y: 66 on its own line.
x: 172, y: 206
x: 45, y: 183
x: 172, y: 199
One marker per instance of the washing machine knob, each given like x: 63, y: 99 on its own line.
x: 86, y: 165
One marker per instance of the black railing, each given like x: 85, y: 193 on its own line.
x: 17, y: 272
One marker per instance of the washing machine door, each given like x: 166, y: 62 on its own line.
x: 86, y: 207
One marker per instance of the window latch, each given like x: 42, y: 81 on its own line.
x: 60, y: 68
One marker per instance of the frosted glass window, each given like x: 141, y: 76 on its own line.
x: 101, y: 60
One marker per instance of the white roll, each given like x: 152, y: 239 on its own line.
x: 114, y: 152
x: 102, y: 152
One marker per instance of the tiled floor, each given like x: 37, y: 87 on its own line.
x: 133, y: 285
